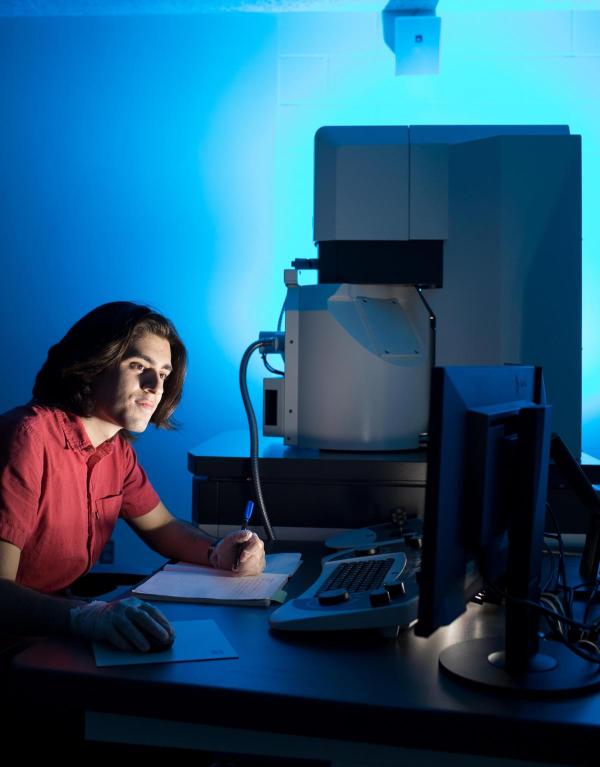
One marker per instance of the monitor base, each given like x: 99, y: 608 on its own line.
x: 561, y: 671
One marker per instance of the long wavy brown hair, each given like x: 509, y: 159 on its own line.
x: 98, y: 342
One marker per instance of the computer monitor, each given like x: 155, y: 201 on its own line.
x: 485, y: 508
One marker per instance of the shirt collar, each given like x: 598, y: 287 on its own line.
x: 77, y: 438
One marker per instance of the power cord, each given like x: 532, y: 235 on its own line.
x: 254, y: 468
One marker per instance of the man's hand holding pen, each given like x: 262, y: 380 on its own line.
x: 252, y: 557
x: 242, y: 551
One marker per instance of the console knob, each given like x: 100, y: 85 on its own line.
x: 333, y: 597
x: 367, y: 552
x: 396, y: 589
x: 379, y: 598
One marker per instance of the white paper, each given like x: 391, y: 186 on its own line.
x: 194, y: 640
x: 204, y: 584
x: 285, y: 563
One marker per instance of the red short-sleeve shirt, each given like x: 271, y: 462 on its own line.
x: 59, y: 497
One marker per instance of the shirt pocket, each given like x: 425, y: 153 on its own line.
x: 107, y: 513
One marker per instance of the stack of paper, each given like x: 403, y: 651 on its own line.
x: 187, y: 582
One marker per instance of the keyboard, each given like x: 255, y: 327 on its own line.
x: 358, y: 590
x: 356, y: 576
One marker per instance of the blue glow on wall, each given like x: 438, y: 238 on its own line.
x: 496, y: 68
x: 169, y: 160
x: 138, y: 163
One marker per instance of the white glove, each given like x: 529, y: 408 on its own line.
x: 129, y: 624
x: 252, y: 557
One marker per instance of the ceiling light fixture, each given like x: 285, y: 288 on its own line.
x: 411, y: 30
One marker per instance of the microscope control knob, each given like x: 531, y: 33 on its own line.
x: 396, y: 589
x: 333, y: 597
x: 379, y: 598
x: 366, y: 552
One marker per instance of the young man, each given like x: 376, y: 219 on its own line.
x: 68, y: 471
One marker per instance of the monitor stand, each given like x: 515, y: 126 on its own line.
x: 553, y: 669
x: 523, y: 662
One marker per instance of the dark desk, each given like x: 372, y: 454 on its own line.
x: 351, y: 698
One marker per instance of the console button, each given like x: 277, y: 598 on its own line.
x: 333, y: 597
x: 379, y: 598
x: 395, y: 589
x: 366, y: 552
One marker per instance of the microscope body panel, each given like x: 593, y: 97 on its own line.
x: 486, y: 222
x: 355, y: 349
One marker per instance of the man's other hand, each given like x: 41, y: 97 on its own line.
x: 128, y: 624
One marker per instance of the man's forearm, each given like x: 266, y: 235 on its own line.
x: 180, y: 540
x: 26, y: 612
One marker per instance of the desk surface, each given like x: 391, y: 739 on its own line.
x: 349, y: 686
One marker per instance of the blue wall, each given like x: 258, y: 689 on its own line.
x: 137, y: 159
x: 168, y: 160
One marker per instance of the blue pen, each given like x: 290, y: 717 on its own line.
x: 240, y: 546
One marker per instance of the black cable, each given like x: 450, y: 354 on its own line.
x: 561, y: 563
x: 544, y: 610
x: 554, y: 616
x: 577, y: 650
x: 590, y: 601
x: 269, y: 367
x: 280, y: 320
x: 550, y: 555
x: 254, y: 470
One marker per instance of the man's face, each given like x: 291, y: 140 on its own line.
x: 128, y: 394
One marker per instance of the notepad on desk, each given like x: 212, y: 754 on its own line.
x: 187, y: 582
